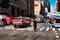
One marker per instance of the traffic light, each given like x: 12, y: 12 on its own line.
x: 5, y: 3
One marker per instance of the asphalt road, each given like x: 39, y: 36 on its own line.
x: 43, y: 33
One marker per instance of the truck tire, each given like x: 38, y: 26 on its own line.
x: 15, y: 26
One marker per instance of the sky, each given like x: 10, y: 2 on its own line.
x: 53, y: 5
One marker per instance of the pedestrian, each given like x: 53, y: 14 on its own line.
x: 4, y: 22
x: 35, y: 25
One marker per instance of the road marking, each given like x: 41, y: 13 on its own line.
x: 53, y: 29
x: 30, y: 28
x: 57, y: 36
x: 41, y: 29
x: 22, y: 29
x: 58, y: 29
x: 17, y: 29
x: 50, y: 26
x: 47, y: 29
x: 56, y: 33
x: 57, y: 39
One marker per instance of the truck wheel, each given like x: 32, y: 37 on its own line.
x: 15, y: 26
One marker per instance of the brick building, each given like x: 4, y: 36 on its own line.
x: 37, y: 7
x: 57, y: 5
x: 30, y: 8
x: 20, y: 7
x: 17, y: 7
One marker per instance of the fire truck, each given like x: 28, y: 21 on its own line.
x: 54, y: 19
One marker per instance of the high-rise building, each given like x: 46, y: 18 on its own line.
x: 37, y: 8
x: 49, y: 7
x: 47, y: 4
x: 42, y: 11
x: 20, y: 7
x: 17, y: 7
x: 30, y: 8
x: 58, y: 5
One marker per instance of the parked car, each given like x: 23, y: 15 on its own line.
x: 27, y: 21
x: 1, y: 23
x: 20, y: 22
x: 9, y: 19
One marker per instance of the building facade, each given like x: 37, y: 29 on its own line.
x: 44, y: 7
x: 42, y: 11
x: 57, y: 5
x: 47, y: 4
x: 37, y: 8
x: 30, y: 8
x: 20, y: 7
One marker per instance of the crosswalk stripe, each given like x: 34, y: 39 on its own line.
x: 57, y: 36
x: 41, y: 29
x: 47, y: 29
x: 22, y: 29
x: 53, y: 29
x: 17, y: 29
x: 30, y: 28
x: 56, y: 33
x: 58, y: 29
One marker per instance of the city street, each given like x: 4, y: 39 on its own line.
x: 21, y: 13
x: 42, y: 33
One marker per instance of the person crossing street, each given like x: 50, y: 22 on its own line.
x: 35, y: 25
